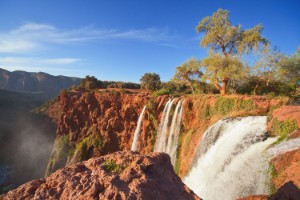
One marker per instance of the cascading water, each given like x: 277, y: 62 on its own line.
x: 230, y: 161
x: 134, y: 146
x: 284, y: 147
x: 172, y: 142
x: 167, y: 137
x: 163, y: 128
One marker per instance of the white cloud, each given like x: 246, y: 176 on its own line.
x: 32, y: 36
x: 61, y: 61
x: 25, y: 61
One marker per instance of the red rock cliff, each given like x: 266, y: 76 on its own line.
x: 121, y: 175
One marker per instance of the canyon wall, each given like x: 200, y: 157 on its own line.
x: 97, y: 123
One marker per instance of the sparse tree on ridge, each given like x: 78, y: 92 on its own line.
x: 150, y: 81
x: 189, y: 73
x: 226, y: 42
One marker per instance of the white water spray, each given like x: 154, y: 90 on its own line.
x: 172, y: 142
x: 284, y: 147
x: 134, y: 146
x: 167, y: 138
x: 163, y: 128
x: 230, y: 163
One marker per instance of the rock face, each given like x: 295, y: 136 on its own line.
x: 92, y: 124
x: 121, y: 175
x: 288, y: 113
x: 287, y: 168
x: 110, y: 118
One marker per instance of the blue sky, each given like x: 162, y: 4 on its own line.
x: 123, y: 39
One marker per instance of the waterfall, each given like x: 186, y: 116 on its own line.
x: 230, y: 161
x: 167, y: 137
x: 172, y: 142
x: 163, y: 128
x: 284, y: 147
x: 137, y: 131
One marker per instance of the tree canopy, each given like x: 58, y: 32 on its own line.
x: 226, y: 42
x: 150, y: 81
x: 189, y: 73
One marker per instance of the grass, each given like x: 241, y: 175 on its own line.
x: 112, y: 167
x: 94, y: 142
x: 273, y: 173
x: 59, y: 154
x: 282, y: 129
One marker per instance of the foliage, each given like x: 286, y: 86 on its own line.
x: 188, y: 73
x: 253, y: 85
x: 226, y: 42
x: 90, y: 83
x: 283, y: 128
x: 88, y: 145
x: 59, y: 154
x: 273, y: 173
x: 223, y: 105
x: 175, y: 87
x: 150, y: 81
x: 112, y: 167
x: 245, y: 104
x: 270, y: 66
x: 291, y: 72
x: 162, y: 91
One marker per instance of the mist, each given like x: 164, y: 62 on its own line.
x: 26, y: 141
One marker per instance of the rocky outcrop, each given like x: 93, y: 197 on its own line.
x: 96, y: 123
x: 121, y: 175
x: 288, y: 113
x: 285, y: 177
x: 287, y: 168
x: 109, y: 117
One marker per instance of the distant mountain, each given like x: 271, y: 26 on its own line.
x: 46, y: 85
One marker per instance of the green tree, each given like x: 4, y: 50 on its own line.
x: 150, y: 81
x: 189, y: 73
x: 274, y: 67
x: 89, y: 82
x: 269, y: 67
x: 226, y: 42
x: 292, y: 69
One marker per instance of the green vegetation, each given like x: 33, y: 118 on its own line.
x: 283, y: 128
x: 91, y: 83
x: 245, y: 104
x: 150, y: 81
x: 223, y: 105
x: 59, y: 154
x: 273, y: 173
x: 224, y: 70
x: 226, y: 42
x: 87, y: 147
x: 112, y: 167
x: 189, y: 73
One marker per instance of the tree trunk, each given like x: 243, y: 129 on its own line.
x: 254, y: 91
x: 223, y: 87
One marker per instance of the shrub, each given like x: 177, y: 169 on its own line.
x: 150, y: 81
x: 112, y: 167
x: 245, y: 104
x: 283, y: 128
x: 224, y: 105
x: 161, y: 92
